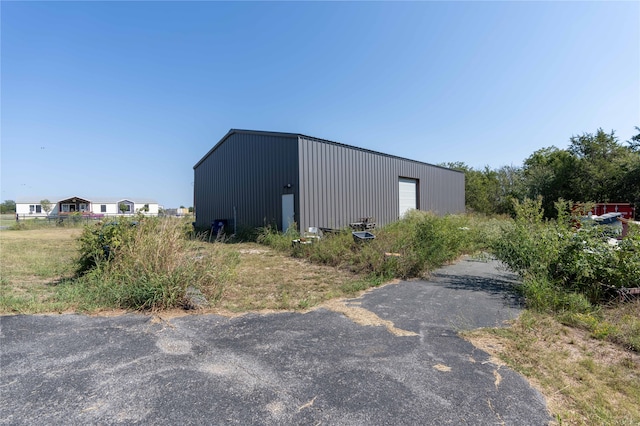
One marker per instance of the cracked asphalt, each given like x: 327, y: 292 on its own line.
x: 318, y: 367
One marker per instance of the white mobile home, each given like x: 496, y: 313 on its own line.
x: 32, y: 207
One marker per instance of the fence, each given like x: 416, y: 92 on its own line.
x: 71, y: 219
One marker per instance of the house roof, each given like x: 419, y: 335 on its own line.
x: 299, y: 136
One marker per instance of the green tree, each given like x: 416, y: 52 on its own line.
x: 8, y: 206
x: 46, y: 206
x: 603, y: 163
x: 634, y: 142
x: 123, y: 207
x: 594, y: 168
x: 489, y: 191
x: 630, y: 184
x: 551, y: 173
x: 474, y: 187
x: 510, y: 186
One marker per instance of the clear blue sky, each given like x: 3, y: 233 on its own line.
x: 123, y: 98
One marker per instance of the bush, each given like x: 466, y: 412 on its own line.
x: 418, y: 243
x: 572, y: 261
x: 100, y: 242
x: 149, y: 265
x: 269, y: 236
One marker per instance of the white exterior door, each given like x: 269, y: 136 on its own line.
x: 407, y: 189
x: 287, y: 211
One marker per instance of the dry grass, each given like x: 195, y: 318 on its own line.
x: 585, y: 381
x: 623, y: 322
x: 266, y: 279
x: 37, y: 255
x: 7, y: 219
x: 30, y: 262
x: 364, y: 317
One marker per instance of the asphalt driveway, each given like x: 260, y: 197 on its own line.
x: 320, y: 367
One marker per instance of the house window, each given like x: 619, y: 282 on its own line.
x: 32, y: 208
x: 38, y: 208
x: 67, y: 208
x: 103, y: 208
x: 83, y: 207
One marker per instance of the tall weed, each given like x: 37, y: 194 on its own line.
x: 407, y: 248
x: 572, y: 261
x: 148, y: 265
x: 269, y: 236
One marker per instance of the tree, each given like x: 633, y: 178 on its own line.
x: 630, y: 184
x: 552, y: 174
x: 8, y: 206
x: 123, y: 207
x: 490, y: 191
x: 603, y: 163
x: 474, y: 187
x: 46, y: 206
x: 594, y: 168
x: 510, y: 187
x: 634, y: 143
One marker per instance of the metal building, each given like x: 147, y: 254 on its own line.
x: 254, y: 178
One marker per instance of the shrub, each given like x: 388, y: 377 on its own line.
x: 269, y: 236
x: 572, y: 261
x: 419, y: 243
x: 149, y: 265
x: 99, y: 242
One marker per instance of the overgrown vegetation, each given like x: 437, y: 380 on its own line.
x: 407, y: 248
x: 571, y: 272
x: 147, y: 263
x: 41, y: 272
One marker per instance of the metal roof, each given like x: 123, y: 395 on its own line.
x: 300, y: 135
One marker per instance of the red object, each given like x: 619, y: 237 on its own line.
x: 627, y: 210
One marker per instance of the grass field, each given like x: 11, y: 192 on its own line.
x: 7, y: 219
x: 34, y: 262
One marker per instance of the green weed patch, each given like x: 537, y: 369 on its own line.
x: 407, y: 248
x: 145, y: 264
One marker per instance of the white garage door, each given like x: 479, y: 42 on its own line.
x: 408, y: 194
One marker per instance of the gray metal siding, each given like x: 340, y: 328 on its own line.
x: 339, y: 184
x: 247, y: 170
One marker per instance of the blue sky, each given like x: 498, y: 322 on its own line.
x: 123, y: 98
